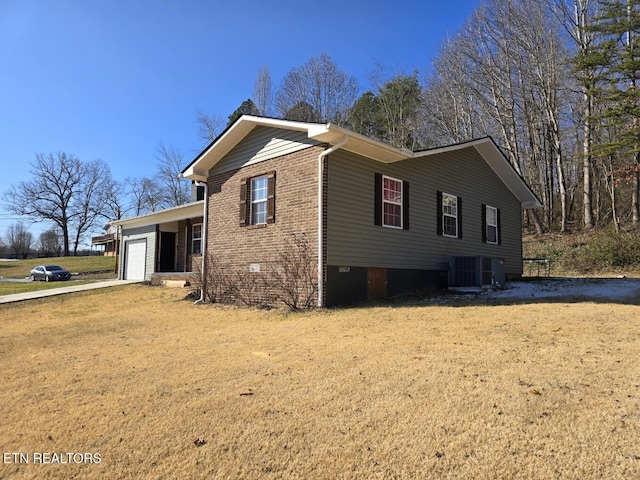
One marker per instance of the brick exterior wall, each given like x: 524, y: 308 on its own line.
x: 236, y: 247
x: 181, y: 248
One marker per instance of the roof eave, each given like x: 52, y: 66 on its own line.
x: 325, y: 133
x: 361, y: 145
x: 497, y: 161
x: 358, y: 144
x: 199, y: 168
x: 182, y: 212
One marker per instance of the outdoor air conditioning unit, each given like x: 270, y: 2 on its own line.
x: 476, y: 271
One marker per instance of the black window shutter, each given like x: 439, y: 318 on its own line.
x: 499, y: 228
x: 484, y: 223
x: 377, y: 200
x: 459, y: 217
x: 271, y: 197
x: 405, y: 205
x: 244, y: 202
x: 439, y: 212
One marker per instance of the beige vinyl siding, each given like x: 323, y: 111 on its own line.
x: 148, y: 232
x: 354, y: 240
x: 262, y: 144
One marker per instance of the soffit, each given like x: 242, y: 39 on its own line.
x: 182, y: 212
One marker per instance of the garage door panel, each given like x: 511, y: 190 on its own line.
x: 135, y: 259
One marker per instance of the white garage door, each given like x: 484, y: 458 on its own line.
x: 135, y: 255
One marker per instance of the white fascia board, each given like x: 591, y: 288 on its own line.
x: 193, y: 173
x: 325, y: 133
x: 199, y: 168
x: 358, y: 144
x: 452, y: 148
x: 182, y: 212
x: 507, y: 173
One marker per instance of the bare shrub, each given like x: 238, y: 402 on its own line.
x: 294, y: 280
x: 225, y: 283
x: 251, y: 288
x: 290, y: 280
x: 156, y: 281
x: 219, y: 286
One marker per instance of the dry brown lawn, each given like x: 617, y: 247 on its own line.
x: 160, y: 388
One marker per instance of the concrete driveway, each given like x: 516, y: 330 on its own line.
x: 19, y: 297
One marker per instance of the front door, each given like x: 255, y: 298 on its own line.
x: 167, y: 251
x: 376, y: 283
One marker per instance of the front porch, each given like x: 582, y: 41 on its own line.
x: 173, y: 279
x: 164, y: 242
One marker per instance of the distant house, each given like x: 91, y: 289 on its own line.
x: 380, y: 220
x: 108, y: 242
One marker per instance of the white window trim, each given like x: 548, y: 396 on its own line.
x: 445, y: 195
x: 400, y: 203
x: 486, y: 221
x: 256, y: 202
x: 194, y: 238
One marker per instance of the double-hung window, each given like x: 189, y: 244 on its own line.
x: 258, y: 213
x: 196, y: 239
x: 391, y: 202
x: 258, y: 200
x: 449, y: 215
x: 490, y: 224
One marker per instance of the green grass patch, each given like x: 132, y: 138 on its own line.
x: 21, y: 268
x: 11, y: 288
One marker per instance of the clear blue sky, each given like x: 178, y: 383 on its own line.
x: 111, y: 79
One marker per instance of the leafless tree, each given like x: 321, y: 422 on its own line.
x: 90, y: 205
x: 262, y: 91
x: 50, y: 243
x: 177, y: 190
x: 210, y: 126
x: 505, y: 74
x: 577, y: 16
x: 115, y: 200
x: 62, y: 190
x: 450, y: 105
x: 328, y: 90
x: 19, y: 240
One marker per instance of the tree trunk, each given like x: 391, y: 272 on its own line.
x: 635, y: 204
x: 586, y: 165
x: 65, y: 238
x: 563, y: 192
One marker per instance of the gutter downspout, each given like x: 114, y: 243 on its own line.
x: 204, y: 237
x: 321, y: 158
x: 118, y: 252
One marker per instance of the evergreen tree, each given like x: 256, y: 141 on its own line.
x: 302, y: 112
x: 246, y: 108
x: 617, y: 58
x: 364, y: 116
x: 399, y: 100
